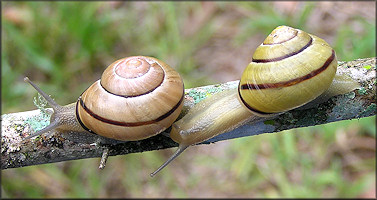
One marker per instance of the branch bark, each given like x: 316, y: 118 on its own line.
x: 16, y: 152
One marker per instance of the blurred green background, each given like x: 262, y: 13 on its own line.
x: 65, y: 46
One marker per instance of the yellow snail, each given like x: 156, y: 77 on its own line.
x: 290, y: 69
x: 137, y: 97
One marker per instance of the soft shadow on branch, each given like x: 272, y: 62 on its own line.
x: 16, y: 152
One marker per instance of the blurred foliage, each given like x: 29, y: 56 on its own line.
x: 350, y: 44
x: 52, y: 42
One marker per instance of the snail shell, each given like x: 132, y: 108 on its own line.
x: 137, y: 97
x: 288, y: 70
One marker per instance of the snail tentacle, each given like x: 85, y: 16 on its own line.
x: 49, y: 100
x: 180, y: 149
x: 56, y: 107
x: 50, y: 127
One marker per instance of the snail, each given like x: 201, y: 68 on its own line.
x: 288, y: 70
x: 137, y: 97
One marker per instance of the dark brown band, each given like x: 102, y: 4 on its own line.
x: 126, y: 124
x: 249, y: 86
x: 127, y: 96
x: 248, y: 106
x: 285, y: 56
x: 78, y: 117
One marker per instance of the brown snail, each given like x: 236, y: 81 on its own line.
x: 137, y: 97
x: 289, y: 69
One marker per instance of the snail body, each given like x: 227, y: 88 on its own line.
x: 136, y: 98
x: 288, y: 70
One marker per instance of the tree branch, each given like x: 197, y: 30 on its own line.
x: 55, y: 147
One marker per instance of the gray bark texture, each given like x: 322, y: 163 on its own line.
x: 55, y: 147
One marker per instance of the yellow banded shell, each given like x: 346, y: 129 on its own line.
x: 289, y: 69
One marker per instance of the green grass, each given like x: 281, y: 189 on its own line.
x: 305, y: 162
x: 64, y: 47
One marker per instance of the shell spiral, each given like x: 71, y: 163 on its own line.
x: 137, y: 97
x: 289, y: 69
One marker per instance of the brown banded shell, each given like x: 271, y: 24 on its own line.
x: 136, y: 98
x: 289, y: 69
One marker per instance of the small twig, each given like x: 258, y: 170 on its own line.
x: 104, y: 157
